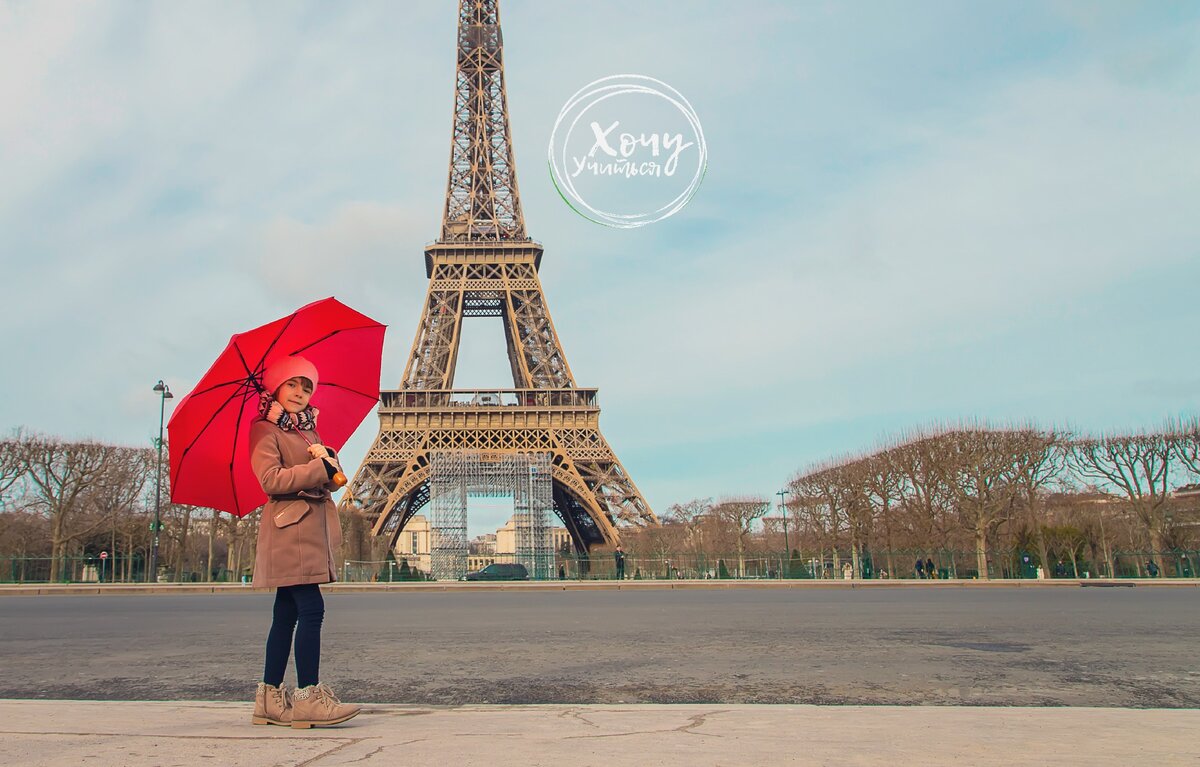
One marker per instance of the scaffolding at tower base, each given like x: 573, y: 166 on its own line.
x: 456, y: 476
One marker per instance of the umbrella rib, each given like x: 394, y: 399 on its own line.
x: 214, y: 387
x: 373, y: 398
x: 251, y: 375
x: 200, y: 433
x: 334, y: 333
x: 262, y: 361
x: 237, y: 504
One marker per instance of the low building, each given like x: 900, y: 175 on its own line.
x: 506, y: 538
x: 415, y: 543
x: 482, y: 545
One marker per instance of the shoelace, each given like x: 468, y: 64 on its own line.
x: 282, y: 697
x: 327, y: 693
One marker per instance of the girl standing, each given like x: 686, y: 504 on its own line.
x: 297, y: 536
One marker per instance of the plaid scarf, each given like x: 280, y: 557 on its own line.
x: 306, y: 419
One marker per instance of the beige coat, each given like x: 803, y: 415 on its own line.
x: 297, y: 537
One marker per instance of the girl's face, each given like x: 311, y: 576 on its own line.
x: 294, y: 394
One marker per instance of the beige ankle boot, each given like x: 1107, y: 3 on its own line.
x: 272, y: 705
x: 317, y: 706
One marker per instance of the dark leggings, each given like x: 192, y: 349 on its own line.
x: 302, y: 609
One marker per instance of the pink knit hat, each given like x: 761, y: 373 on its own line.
x: 285, y: 368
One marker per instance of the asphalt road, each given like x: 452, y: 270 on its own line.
x: 997, y: 646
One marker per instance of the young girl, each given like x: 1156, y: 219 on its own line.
x: 297, y: 536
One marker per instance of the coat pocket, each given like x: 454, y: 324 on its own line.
x: 290, y: 512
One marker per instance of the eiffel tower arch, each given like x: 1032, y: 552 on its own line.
x: 484, y: 265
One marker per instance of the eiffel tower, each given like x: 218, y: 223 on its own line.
x: 484, y: 265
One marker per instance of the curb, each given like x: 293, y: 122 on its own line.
x: 337, y: 588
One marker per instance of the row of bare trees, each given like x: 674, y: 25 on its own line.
x: 967, y: 488
x: 977, y: 489
x: 64, y: 501
x: 694, y: 533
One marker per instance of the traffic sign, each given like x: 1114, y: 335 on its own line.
x: 104, y: 555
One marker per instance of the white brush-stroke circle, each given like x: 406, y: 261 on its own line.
x: 594, y: 93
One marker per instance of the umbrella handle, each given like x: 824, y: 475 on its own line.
x: 339, y: 478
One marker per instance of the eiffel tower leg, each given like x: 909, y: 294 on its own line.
x: 435, y: 348
x: 586, y: 519
x: 532, y: 342
x: 610, y: 488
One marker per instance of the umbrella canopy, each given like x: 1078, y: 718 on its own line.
x: 210, y: 429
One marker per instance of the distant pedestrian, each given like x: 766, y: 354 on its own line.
x: 619, y: 558
x: 1152, y: 569
x: 930, y: 570
x: 562, y: 573
x: 920, y: 568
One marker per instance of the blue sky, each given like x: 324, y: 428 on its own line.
x: 912, y: 212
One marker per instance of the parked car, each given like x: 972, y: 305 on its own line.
x: 500, y: 572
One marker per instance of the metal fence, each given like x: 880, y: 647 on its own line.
x: 827, y: 565
x: 873, y: 565
x: 91, y: 569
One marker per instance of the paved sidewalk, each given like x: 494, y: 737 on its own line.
x: 38, y: 732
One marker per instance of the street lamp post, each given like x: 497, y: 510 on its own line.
x: 164, y: 395
x: 787, y: 549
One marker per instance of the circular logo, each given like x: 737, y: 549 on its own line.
x: 626, y: 151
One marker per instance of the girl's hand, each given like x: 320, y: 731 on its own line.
x: 318, y: 451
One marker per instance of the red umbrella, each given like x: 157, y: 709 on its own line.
x: 210, y: 428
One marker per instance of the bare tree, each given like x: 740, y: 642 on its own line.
x: 213, y: 524
x: 1040, y: 461
x: 1067, y: 540
x: 691, y: 517
x: 838, y: 491
x: 176, y: 532
x: 1186, y: 440
x: 738, y: 515
x: 12, y: 465
x: 860, y: 517
x: 883, y: 486
x: 927, y: 496
x: 1139, y: 466
x: 239, y: 533
x: 819, y: 497
x: 61, y: 476
x: 980, y: 467
x: 24, y: 533
x: 657, y: 544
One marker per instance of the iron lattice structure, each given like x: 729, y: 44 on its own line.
x: 482, y: 202
x: 484, y: 265
x: 456, y: 476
